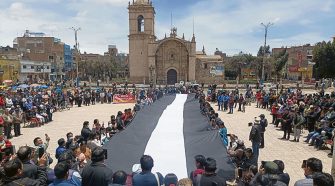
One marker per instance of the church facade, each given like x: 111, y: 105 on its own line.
x: 159, y: 61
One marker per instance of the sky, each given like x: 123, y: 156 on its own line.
x: 229, y: 25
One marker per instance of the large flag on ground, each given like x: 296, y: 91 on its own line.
x: 172, y: 131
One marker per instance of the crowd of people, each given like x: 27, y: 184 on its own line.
x: 292, y: 111
x: 79, y: 159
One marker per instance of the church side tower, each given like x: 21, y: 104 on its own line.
x: 141, y: 33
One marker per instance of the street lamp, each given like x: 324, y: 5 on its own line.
x: 266, y: 27
x: 77, y: 52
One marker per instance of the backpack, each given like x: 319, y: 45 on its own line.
x: 255, y: 133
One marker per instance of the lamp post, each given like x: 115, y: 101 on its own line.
x: 266, y: 27
x: 77, y: 52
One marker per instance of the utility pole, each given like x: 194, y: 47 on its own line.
x: 77, y: 53
x: 266, y: 27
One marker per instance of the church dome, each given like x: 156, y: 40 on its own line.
x: 141, y: 2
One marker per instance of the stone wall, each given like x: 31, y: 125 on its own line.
x: 203, y: 74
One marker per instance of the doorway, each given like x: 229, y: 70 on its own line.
x: 171, y: 77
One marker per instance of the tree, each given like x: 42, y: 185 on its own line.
x: 260, y: 52
x: 280, y: 61
x: 324, y: 58
x: 235, y: 64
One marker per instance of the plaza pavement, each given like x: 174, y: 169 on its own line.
x: 68, y: 121
x: 291, y: 153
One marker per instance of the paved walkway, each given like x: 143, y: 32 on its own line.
x: 291, y: 153
x: 68, y: 121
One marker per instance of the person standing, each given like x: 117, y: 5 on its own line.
x: 17, y: 120
x: 240, y: 102
x: 209, y: 177
x: 231, y: 104
x: 264, y: 123
x: 8, y: 119
x: 223, y: 133
x: 220, y: 102
x: 40, y: 146
x: 97, y: 173
x: 310, y: 166
x: 200, y: 162
x: 85, y: 131
x: 299, y: 120
x: 62, y: 172
x: 255, y: 137
x: 225, y: 101
x: 286, y: 124
x: 146, y: 177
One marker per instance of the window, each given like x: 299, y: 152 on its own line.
x: 32, y: 67
x: 48, y: 67
x: 39, y: 51
x: 205, y: 66
x: 24, y: 66
x: 140, y: 23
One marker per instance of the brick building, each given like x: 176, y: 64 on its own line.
x: 299, y: 64
x: 8, y: 52
x: 9, y: 69
x: 37, y: 47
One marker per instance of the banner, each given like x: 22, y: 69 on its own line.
x: 216, y: 70
x: 293, y: 68
x: 129, y: 98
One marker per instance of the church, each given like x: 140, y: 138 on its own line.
x: 168, y: 60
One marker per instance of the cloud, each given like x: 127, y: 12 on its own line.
x: 239, y: 28
x: 111, y: 2
x: 231, y: 26
x: 18, y: 11
x: 100, y: 22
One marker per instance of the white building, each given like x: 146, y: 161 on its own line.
x: 34, y: 71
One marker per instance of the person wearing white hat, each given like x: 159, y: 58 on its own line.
x: 255, y: 137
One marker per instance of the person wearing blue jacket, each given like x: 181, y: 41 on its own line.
x: 225, y: 101
x: 223, y: 133
x: 220, y: 101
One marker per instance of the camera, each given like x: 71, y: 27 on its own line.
x: 41, y: 152
x: 250, y: 124
x: 304, y: 164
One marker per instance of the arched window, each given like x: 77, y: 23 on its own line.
x: 140, y: 23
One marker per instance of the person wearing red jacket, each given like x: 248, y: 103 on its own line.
x: 274, y: 110
x: 5, y: 145
x: 2, y: 102
x: 258, y: 98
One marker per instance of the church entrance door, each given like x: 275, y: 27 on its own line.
x: 171, y: 77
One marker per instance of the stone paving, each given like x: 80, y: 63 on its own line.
x: 290, y: 152
x: 68, y: 121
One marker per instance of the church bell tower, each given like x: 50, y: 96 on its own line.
x: 141, y: 33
